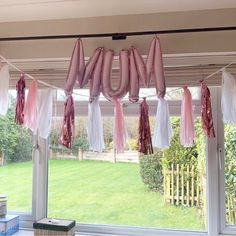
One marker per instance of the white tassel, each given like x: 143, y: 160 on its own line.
x: 4, y: 87
x: 95, y: 127
x: 163, y: 130
x: 228, y: 98
x: 45, y: 112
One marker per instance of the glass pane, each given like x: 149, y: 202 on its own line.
x: 230, y: 173
x: 15, y: 164
x: 164, y: 190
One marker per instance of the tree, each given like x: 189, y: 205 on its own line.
x: 15, y: 141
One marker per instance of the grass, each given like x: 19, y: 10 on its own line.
x: 97, y: 192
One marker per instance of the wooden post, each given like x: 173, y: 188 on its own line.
x: 114, y: 160
x: 168, y: 185
x: 193, y: 184
x: 197, y: 194
x: 164, y: 184
x: 1, y: 160
x: 81, y: 154
x: 182, y: 184
x: 188, y: 185
x: 177, y: 185
x: 172, y: 183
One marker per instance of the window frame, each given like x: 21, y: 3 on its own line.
x: 215, y: 184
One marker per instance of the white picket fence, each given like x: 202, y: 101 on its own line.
x: 127, y: 156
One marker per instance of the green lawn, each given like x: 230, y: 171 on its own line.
x: 97, y: 192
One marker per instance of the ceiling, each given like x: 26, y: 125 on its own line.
x: 30, y: 10
x: 187, y: 57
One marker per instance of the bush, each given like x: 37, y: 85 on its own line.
x: 133, y: 144
x: 15, y: 141
x: 80, y: 143
x: 177, y: 154
x: 151, y: 171
x: 23, y: 150
x: 230, y: 160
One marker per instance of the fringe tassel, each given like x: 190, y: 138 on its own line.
x: 163, y: 130
x: 187, y: 132
x: 4, y: 87
x: 95, y: 127
x: 20, y: 100
x: 144, y: 140
x: 45, y: 113
x: 206, y: 111
x: 228, y: 98
x: 67, y: 133
x: 119, y: 128
x: 30, y: 109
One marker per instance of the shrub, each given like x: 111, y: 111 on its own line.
x: 15, y: 142
x: 133, y: 144
x: 230, y: 160
x: 151, y: 171
x: 80, y: 143
x: 177, y: 154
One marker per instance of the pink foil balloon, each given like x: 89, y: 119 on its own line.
x: 106, y: 73
x: 95, y: 85
x: 134, y: 79
x: 124, y: 75
x: 76, y: 67
x: 159, y: 70
x: 150, y: 61
x: 154, y: 67
x: 140, y: 66
x: 90, y: 67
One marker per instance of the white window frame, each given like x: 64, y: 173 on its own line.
x: 215, y: 186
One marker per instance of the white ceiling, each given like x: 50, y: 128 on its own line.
x: 28, y: 10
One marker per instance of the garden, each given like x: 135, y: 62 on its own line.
x: 165, y: 190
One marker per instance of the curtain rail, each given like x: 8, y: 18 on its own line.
x: 120, y: 36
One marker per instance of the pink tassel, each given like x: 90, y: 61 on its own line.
x: 206, y: 111
x: 187, y: 132
x: 67, y: 133
x: 145, y: 139
x: 30, y: 110
x: 119, y: 128
x: 20, y: 100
